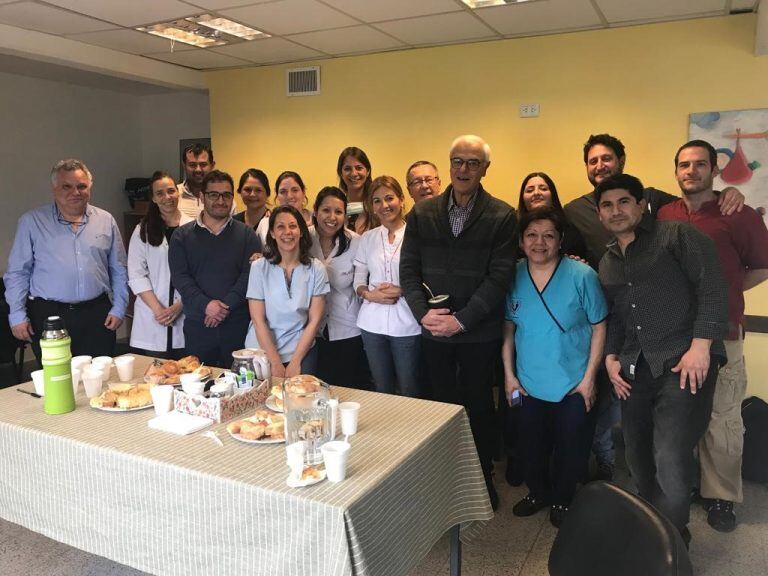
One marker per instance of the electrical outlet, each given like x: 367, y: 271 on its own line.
x: 529, y: 110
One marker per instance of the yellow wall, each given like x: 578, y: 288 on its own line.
x: 638, y: 83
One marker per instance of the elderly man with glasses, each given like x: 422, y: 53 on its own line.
x: 210, y: 261
x: 422, y: 180
x: 68, y: 260
x: 460, y: 244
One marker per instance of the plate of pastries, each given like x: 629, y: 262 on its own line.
x: 123, y: 398
x: 303, y: 384
x: 264, y: 427
x: 170, y: 371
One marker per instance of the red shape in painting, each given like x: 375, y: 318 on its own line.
x: 737, y: 171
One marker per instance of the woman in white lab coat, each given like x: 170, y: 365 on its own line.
x: 157, y: 314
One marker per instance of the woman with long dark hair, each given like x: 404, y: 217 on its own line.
x: 157, y: 314
x: 341, y: 359
x: 289, y: 191
x: 286, y: 296
x: 354, y: 171
x: 254, y: 192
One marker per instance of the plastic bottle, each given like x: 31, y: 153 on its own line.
x: 57, y: 371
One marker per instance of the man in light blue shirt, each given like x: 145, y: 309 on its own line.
x: 68, y: 260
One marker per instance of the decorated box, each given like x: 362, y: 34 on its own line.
x: 222, y: 409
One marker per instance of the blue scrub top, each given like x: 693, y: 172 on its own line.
x: 287, y: 311
x: 554, y: 328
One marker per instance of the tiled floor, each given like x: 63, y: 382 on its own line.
x: 508, y: 546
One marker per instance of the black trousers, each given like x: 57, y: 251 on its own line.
x: 461, y: 374
x: 343, y: 363
x: 214, y: 346
x: 662, y: 425
x: 174, y: 354
x: 84, y: 321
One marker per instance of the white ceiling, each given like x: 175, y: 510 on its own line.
x: 317, y: 29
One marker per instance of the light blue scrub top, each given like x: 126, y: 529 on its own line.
x: 554, y: 328
x: 287, y: 311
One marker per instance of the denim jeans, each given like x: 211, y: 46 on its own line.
x: 662, y: 425
x: 394, y: 362
x: 608, y: 414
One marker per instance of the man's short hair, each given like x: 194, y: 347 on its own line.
x: 606, y: 140
x: 620, y: 182
x: 69, y: 165
x: 699, y: 144
x: 197, y: 149
x: 217, y: 176
x: 418, y: 163
x: 476, y: 140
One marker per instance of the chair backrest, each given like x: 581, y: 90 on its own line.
x: 609, y: 531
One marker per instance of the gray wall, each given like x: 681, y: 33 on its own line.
x: 118, y: 135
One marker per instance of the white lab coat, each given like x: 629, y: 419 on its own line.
x: 148, y: 270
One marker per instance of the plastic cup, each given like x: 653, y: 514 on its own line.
x: 335, y: 457
x: 295, y: 454
x: 349, y: 415
x: 79, y: 362
x: 92, y: 382
x: 103, y: 363
x: 162, y: 398
x: 124, y: 366
x: 37, y: 380
x: 192, y: 385
x: 75, y: 380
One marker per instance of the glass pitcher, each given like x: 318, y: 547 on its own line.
x: 308, y: 416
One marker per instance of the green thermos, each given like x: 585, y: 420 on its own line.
x: 57, y: 371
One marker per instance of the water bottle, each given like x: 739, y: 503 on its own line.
x: 57, y: 371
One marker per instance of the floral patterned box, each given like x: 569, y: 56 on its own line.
x: 222, y: 409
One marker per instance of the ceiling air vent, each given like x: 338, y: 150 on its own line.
x: 303, y: 81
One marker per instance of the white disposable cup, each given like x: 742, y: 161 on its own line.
x: 333, y: 405
x: 124, y: 366
x: 75, y: 380
x: 295, y: 454
x: 78, y: 362
x: 103, y: 363
x: 192, y: 385
x: 335, y: 456
x: 37, y: 380
x: 349, y: 415
x: 162, y: 398
x: 92, y: 382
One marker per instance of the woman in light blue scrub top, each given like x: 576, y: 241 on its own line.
x: 554, y: 336
x: 286, y: 296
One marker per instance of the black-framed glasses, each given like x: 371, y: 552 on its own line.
x: 214, y: 196
x: 421, y: 181
x: 473, y: 164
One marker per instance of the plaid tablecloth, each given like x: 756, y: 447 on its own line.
x: 165, y: 504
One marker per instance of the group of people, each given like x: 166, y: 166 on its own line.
x: 626, y: 299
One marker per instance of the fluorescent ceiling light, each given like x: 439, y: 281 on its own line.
x: 203, y: 31
x: 485, y: 3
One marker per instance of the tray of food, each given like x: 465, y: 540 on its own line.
x: 170, y: 371
x: 264, y: 427
x: 123, y: 398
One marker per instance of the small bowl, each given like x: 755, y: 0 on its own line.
x: 193, y: 387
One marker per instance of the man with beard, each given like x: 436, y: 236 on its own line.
x: 198, y: 161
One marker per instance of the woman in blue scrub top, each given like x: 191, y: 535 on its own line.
x: 286, y: 296
x: 553, y: 344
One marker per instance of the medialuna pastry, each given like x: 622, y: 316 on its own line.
x: 264, y: 425
x: 123, y: 396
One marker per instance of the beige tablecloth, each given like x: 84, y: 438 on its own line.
x: 166, y: 504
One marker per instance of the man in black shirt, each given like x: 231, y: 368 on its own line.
x: 668, y: 315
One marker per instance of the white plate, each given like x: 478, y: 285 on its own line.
x: 302, y: 483
x: 272, y: 405
x: 116, y: 409
x: 246, y: 441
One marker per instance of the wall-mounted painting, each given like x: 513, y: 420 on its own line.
x: 741, y: 140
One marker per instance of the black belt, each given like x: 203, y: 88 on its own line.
x: 71, y: 306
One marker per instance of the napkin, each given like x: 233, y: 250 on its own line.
x: 179, y: 423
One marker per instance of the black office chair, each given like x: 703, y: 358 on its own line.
x: 9, y: 345
x: 609, y: 531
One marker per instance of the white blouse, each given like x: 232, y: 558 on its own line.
x: 342, y: 304
x: 148, y: 270
x: 378, y: 261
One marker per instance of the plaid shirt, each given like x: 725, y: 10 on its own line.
x: 457, y: 215
x: 666, y: 289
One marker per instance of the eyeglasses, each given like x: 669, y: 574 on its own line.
x: 214, y: 196
x: 421, y: 181
x: 473, y: 164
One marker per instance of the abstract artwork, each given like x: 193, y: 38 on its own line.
x: 741, y: 140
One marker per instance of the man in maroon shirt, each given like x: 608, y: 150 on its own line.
x: 742, y: 248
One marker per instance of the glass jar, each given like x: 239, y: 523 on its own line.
x: 242, y: 368
x: 308, y: 416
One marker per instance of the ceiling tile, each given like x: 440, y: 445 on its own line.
x: 217, y: 4
x: 129, y: 41
x: 269, y: 51
x: 48, y: 19
x: 622, y: 11
x: 356, y: 39
x: 199, y: 58
x: 289, y: 17
x: 130, y: 12
x: 439, y: 29
x: 533, y: 17
x: 393, y: 9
